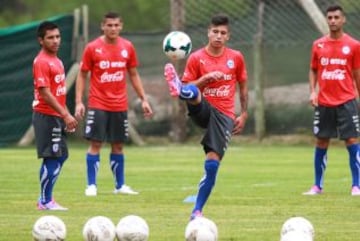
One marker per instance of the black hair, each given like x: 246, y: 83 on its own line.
x: 335, y: 7
x: 112, y: 15
x: 220, y: 19
x: 45, y: 26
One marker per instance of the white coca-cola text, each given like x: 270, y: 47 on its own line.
x: 115, y: 77
x: 222, y: 91
x: 337, y: 74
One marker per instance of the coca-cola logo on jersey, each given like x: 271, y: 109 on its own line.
x: 222, y: 91
x: 61, y: 90
x: 115, y: 77
x: 337, y: 74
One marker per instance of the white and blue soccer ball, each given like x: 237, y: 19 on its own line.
x: 49, y: 227
x: 177, y: 45
x: 201, y: 229
x: 132, y: 228
x: 297, y: 227
x: 99, y: 228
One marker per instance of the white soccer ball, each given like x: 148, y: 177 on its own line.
x: 298, y: 224
x: 132, y: 228
x: 99, y: 228
x: 201, y: 229
x: 49, y: 228
x: 295, y: 236
x: 177, y: 45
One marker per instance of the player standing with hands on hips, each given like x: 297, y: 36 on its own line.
x: 108, y: 58
x: 51, y: 118
x: 335, y: 72
x: 208, y: 86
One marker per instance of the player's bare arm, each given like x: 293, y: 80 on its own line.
x: 209, y: 77
x: 139, y: 89
x: 80, y: 87
x: 240, y: 121
x: 70, y: 121
x: 313, y: 99
x: 356, y: 75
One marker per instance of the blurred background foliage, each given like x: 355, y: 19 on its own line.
x: 136, y: 13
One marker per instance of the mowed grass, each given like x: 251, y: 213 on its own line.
x: 258, y: 188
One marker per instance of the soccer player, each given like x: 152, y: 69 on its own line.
x: 208, y: 86
x: 334, y: 79
x: 51, y: 117
x: 109, y: 58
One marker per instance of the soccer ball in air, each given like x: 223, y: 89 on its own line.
x: 299, y: 225
x: 99, y: 228
x: 177, y: 45
x: 201, y: 229
x: 132, y: 228
x: 49, y: 228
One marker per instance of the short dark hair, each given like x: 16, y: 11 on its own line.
x: 334, y: 7
x: 45, y: 26
x: 112, y: 15
x: 220, y: 19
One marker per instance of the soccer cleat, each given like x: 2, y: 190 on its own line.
x: 91, y: 190
x: 196, y: 214
x: 172, y: 79
x: 314, y: 190
x: 355, y: 191
x: 125, y: 190
x: 52, y: 206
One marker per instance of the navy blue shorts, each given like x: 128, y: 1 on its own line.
x: 218, y: 127
x: 106, y: 126
x: 340, y: 121
x: 50, y: 136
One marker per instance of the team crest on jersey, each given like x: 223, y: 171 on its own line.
x: 124, y: 53
x: 230, y: 63
x: 346, y: 50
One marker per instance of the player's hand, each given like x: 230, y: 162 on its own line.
x: 214, y: 76
x: 239, y: 123
x: 70, y: 122
x: 146, y: 109
x: 79, y: 111
x: 313, y: 99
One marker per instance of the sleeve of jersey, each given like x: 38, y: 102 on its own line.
x: 241, y: 72
x: 133, y: 61
x: 356, y: 64
x: 41, y: 73
x: 313, y: 58
x: 86, y: 59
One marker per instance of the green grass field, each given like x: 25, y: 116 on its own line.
x: 257, y: 189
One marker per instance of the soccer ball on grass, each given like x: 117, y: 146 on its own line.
x: 132, y: 228
x: 298, y: 225
x: 49, y: 228
x: 99, y: 228
x: 177, y: 45
x: 201, y: 229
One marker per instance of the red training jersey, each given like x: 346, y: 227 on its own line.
x: 108, y: 64
x: 221, y: 93
x: 48, y: 71
x: 334, y: 60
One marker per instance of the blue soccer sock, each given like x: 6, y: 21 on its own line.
x: 117, y: 167
x: 49, y: 172
x: 354, y: 163
x: 189, y: 92
x: 93, y: 163
x: 320, y: 162
x: 206, y: 183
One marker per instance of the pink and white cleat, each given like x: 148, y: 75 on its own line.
x: 314, y: 190
x: 172, y: 79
